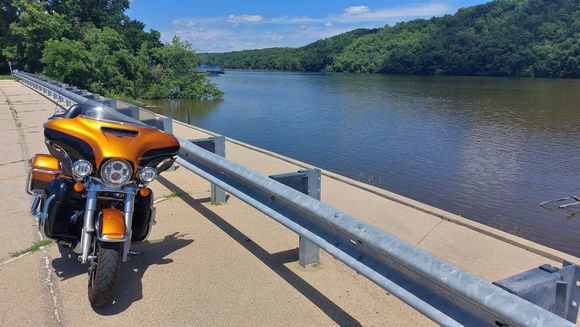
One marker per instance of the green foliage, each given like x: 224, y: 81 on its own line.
x: 100, y: 13
x: 31, y: 30
x: 173, y: 74
x: 535, y: 38
x: 176, y: 58
x: 66, y: 61
x: 93, y: 44
x: 7, y: 16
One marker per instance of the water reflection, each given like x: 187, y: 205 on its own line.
x: 490, y: 149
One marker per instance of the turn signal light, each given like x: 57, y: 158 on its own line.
x: 78, y: 187
x: 144, y: 192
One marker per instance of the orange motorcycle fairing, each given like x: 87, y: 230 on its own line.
x: 111, y: 225
x: 103, y: 140
x: 43, y: 169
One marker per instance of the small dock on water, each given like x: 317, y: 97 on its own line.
x: 211, y: 70
x: 226, y: 265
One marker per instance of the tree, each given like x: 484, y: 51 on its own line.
x: 66, y: 60
x: 176, y: 58
x: 175, y: 74
x: 7, y: 16
x: 100, y: 13
x: 32, y: 28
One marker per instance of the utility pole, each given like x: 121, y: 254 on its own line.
x: 10, y: 65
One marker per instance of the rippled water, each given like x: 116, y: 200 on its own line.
x: 490, y: 149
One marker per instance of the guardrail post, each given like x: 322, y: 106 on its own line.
x: 111, y: 103
x: 548, y: 287
x: 308, y: 182
x: 217, y: 145
x: 93, y: 96
x: 165, y: 124
x: 218, y: 195
x: 132, y: 112
x: 66, y: 101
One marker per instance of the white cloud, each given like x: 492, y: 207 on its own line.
x: 359, y: 14
x: 298, y: 20
x: 356, y: 10
x: 184, y: 23
x: 245, y: 19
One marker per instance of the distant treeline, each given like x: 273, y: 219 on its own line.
x: 533, y: 38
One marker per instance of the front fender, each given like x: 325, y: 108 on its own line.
x: 111, y: 226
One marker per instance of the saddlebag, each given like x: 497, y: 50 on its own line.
x: 142, y: 216
x: 65, y: 212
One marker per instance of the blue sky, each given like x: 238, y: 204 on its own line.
x: 227, y: 25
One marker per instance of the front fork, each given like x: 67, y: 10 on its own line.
x: 129, y: 205
x: 89, y: 226
x: 88, y: 231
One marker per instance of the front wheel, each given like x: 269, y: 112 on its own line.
x: 104, y: 273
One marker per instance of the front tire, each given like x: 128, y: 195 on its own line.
x: 104, y: 274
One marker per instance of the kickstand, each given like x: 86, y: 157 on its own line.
x: 135, y: 253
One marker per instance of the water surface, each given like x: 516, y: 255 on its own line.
x: 489, y: 149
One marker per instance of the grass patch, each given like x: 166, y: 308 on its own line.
x: 6, y: 77
x: 172, y: 194
x: 34, y: 247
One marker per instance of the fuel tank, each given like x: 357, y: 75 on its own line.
x: 97, y: 141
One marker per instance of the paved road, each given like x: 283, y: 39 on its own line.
x: 223, y: 265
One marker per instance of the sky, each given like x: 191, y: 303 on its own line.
x: 231, y: 25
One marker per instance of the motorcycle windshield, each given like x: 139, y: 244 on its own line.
x: 105, y: 114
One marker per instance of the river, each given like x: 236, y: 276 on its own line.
x: 489, y: 149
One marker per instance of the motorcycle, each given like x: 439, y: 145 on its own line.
x: 90, y: 193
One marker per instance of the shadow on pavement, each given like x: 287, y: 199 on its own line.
x: 274, y: 261
x: 130, y: 287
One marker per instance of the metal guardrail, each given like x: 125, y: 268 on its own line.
x: 446, y: 294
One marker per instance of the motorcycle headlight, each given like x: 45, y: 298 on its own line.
x: 82, y: 168
x: 116, y: 171
x: 148, y: 174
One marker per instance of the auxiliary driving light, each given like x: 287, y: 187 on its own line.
x: 82, y: 168
x: 148, y: 174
